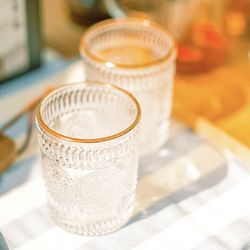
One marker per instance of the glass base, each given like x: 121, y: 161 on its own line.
x: 90, y: 228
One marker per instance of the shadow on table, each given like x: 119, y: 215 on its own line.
x: 246, y: 246
x: 185, y: 166
x: 3, y: 244
x: 203, y: 183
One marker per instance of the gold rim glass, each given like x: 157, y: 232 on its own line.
x: 70, y: 88
x: 106, y: 26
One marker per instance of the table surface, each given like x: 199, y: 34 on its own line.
x: 190, y: 195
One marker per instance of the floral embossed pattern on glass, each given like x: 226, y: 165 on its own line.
x: 88, y: 136
x: 137, y: 55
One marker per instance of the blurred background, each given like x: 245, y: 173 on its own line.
x: 205, y: 30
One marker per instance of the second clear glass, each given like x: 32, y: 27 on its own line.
x: 139, y: 56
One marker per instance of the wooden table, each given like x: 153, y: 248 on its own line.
x: 217, y: 103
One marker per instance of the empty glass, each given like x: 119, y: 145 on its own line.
x: 137, y: 55
x: 88, y: 137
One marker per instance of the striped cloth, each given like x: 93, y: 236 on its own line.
x: 189, y: 195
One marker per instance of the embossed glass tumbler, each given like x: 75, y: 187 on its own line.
x: 88, y: 137
x: 137, y: 55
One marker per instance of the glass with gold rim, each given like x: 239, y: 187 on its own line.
x: 138, y: 55
x: 88, y: 136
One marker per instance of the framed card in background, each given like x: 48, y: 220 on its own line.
x: 20, y: 37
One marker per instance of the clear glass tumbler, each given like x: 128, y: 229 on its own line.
x: 137, y: 55
x: 88, y: 136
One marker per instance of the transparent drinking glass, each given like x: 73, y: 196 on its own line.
x: 137, y: 55
x: 88, y: 137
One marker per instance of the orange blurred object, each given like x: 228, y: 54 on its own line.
x: 207, y: 34
x: 203, y: 48
x: 204, y: 44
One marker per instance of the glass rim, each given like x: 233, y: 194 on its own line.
x: 45, y: 127
x: 144, y: 22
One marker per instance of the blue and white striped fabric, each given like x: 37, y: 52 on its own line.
x: 189, y: 195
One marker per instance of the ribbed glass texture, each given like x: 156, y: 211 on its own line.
x: 88, y: 137
x: 137, y: 55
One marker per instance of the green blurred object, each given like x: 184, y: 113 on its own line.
x: 20, y: 37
